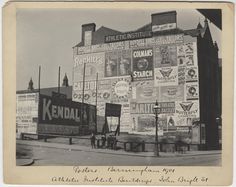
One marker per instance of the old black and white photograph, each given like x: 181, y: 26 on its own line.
x: 118, y: 87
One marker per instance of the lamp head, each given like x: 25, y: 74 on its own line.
x: 157, y: 108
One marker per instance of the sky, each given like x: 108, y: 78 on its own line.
x: 45, y: 37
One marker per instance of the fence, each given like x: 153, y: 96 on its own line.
x: 130, y: 146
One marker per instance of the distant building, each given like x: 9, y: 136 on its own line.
x: 64, y: 89
x: 158, y: 61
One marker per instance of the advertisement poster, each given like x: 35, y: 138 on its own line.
x: 146, y: 124
x: 191, y: 74
x: 112, y: 123
x: 111, y: 64
x: 94, y: 64
x: 176, y: 121
x: 125, y: 108
x: 166, y: 76
x: 188, y: 109
x: 141, y: 108
x: 137, y: 43
x: 101, y: 108
x: 143, y: 64
x: 124, y: 62
x: 190, y: 54
x: 147, y: 108
x: 192, y: 92
x: 88, y: 85
x: 172, y: 93
x: 121, y: 90
x: 125, y: 122
x: 90, y: 96
x: 181, y: 55
x: 107, y: 47
x: 103, y: 93
x: 59, y: 111
x: 181, y: 75
x: 167, y: 107
x: 187, y: 54
x: 164, y: 40
x: 118, y: 63
x: 165, y: 56
x: 143, y: 91
x: 162, y: 121
x: 26, y: 113
x: 163, y: 27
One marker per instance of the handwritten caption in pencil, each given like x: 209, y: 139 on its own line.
x: 136, y: 176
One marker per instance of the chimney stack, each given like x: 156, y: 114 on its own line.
x: 87, y: 33
x: 164, y: 21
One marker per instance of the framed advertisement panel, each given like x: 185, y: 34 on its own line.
x: 142, y: 64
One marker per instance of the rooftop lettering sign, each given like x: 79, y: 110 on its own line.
x: 128, y: 36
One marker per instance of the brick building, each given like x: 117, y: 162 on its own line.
x: 157, y: 62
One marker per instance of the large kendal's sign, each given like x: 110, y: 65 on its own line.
x: 59, y: 111
x: 63, y: 116
x: 63, y: 111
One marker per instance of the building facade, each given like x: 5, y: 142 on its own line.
x: 157, y: 62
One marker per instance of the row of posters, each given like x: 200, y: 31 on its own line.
x: 161, y: 63
x: 114, y: 90
x: 137, y: 77
x: 122, y: 45
x: 145, y: 124
x: 120, y: 90
x: 179, y: 108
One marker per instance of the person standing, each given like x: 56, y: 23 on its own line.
x: 93, y: 139
x: 103, y: 140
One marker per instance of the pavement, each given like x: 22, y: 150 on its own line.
x: 76, y: 147
x: 24, y: 161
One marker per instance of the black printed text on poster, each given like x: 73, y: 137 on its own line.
x: 143, y: 64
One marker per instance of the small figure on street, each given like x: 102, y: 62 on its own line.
x: 109, y: 142
x: 93, y: 139
x: 114, y: 142
x: 103, y: 140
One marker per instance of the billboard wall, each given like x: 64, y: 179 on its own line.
x: 163, y: 68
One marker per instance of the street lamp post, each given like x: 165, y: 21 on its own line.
x: 157, y: 110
